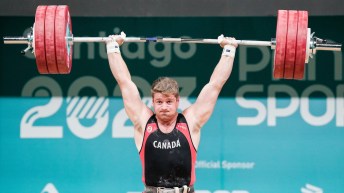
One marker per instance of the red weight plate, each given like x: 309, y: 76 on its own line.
x: 50, y: 39
x: 63, y: 30
x: 281, y: 39
x: 39, y: 40
x: 291, y: 45
x: 300, y: 58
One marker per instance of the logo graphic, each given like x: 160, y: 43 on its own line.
x: 311, y: 189
x: 91, y: 110
x: 49, y: 188
x: 182, y: 126
x: 149, y: 129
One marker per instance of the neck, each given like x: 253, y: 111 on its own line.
x: 167, y: 125
x: 167, y: 122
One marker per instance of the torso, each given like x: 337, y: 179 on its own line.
x: 168, y: 156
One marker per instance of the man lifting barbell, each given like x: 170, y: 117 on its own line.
x: 167, y: 141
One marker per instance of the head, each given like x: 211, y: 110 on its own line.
x: 165, y: 96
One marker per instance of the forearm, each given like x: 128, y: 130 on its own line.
x: 222, y: 71
x: 118, y: 67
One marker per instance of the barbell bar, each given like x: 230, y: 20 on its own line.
x: 51, y: 40
x: 71, y: 40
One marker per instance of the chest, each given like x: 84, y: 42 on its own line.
x: 166, y: 141
x: 166, y: 129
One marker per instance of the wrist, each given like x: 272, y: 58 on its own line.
x: 112, y: 47
x: 229, y: 50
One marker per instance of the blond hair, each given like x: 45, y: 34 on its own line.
x: 165, y: 85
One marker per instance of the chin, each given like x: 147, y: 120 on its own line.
x: 165, y: 116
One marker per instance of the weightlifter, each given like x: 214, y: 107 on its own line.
x: 166, y: 140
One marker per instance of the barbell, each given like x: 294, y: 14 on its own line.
x: 51, y: 40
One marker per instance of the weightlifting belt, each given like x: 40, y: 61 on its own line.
x: 184, y: 189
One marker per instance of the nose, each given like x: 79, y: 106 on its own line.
x: 164, y: 106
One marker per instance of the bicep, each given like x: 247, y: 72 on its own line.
x: 134, y: 107
x: 203, y: 107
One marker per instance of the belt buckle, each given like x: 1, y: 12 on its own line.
x: 160, y: 189
x: 165, y: 190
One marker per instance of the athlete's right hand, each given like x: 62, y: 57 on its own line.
x: 117, y: 38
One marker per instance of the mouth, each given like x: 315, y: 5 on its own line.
x: 164, y: 112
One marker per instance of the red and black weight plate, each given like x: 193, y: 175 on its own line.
x: 63, y: 30
x: 301, y: 48
x: 39, y: 40
x: 50, y: 39
x: 281, y: 39
x: 291, y: 44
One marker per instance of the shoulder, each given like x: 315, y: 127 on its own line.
x: 190, y: 119
x: 151, y: 119
x: 143, y: 120
x: 181, y: 118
